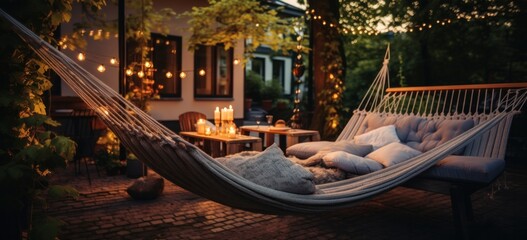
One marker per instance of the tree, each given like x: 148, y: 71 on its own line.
x: 230, y: 21
x: 28, y: 151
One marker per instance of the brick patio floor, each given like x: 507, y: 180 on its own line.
x: 105, y: 211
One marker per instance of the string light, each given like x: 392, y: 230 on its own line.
x: 148, y: 64
x: 81, y: 57
x: 129, y: 72
x: 141, y: 74
x: 113, y: 61
x: 201, y: 72
x: 169, y: 75
x: 182, y: 75
x: 236, y: 61
x: 101, y: 68
x: 408, y: 28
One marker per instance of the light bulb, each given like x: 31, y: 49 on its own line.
x: 129, y: 72
x: 169, y: 75
x: 236, y: 61
x: 81, y: 57
x: 113, y: 61
x: 140, y: 74
x: 148, y: 64
x: 202, y: 72
x: 101, y: 68
x: 182, y: 75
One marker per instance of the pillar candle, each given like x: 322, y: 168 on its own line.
x: 217, y: 115
x: 200, y: 126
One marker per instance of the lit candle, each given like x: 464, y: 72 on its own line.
x: 232, y: 132
x: 200, y: 126
x: 231, y: 113
x: 217, y: 115
x: 224, y: 116
x: 207, y: 131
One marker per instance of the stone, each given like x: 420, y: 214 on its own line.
x: 146, y: 188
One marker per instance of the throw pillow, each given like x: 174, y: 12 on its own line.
x: 271, y: 169
x: 351, y: 163
x: 306, y: 149
x: 346, y: 146
x: 378, y: 137
x: 393, y: 153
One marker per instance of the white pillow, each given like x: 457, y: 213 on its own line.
x: 351, y: 163
x: 378, y: 137
x: 393, y: 153
x: 306, y: 149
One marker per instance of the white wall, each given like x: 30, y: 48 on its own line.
x: 167, y: 109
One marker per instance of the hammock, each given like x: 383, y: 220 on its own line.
x: 187, y: 166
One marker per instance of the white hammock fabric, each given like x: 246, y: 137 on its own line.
x: 189, y: 167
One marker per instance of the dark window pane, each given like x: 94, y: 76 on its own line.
x: 279, y: 71
x: 166, y: 57
x: 213, y: 75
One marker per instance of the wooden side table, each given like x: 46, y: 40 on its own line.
x: 287, y: 137
x: 220, y: 145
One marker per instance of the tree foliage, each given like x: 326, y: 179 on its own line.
x: 434, y: 42
x: 230, y: 21
x: 28, y: 151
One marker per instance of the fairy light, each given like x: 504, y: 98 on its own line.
x: 113, y: 61
x: 148, y: 64
x: 168, y: 75
x: 236, y: 61
x: 81, y: 57
x: 141, y: 74
x: 201, y: 72
x: 182, y: 75
x: 101, y: 68
x: 129, y: 72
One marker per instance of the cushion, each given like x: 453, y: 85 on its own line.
x: 351, y: 163
x: 306, y: 149
x: 270, y: 168
x: 378, y: 137
x: 393, y: 153
x: 403, y: 124
x: 346, y: 146
x: 432, y: 133
x: 467, y: 169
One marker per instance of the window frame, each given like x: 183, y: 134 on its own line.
x: 178, y: 68
x: 212, y: 62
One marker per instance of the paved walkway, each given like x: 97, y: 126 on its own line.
x: 105, y: 211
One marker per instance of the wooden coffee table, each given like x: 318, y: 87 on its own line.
x: 286, y: 137
x: 221, y: 145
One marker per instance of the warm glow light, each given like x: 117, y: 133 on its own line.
x: 236, y: 61
x: 101, y: 68
x: 140, y: 74
x: 182, y: 75
x: 113, y: 61
x: 129, y: 72
x: 202, y: 72
x: 81, y: 57
x: 148, y: 64
x: 169, y: 75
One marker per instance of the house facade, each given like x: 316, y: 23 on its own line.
x: 186, y: 80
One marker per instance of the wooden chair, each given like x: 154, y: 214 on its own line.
x: 187, y: 121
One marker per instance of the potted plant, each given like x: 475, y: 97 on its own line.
x: 253, y: 88
x: 108, y: 156
x: 271, y: 91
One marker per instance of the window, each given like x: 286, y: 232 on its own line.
x: 166, y: 57
x: 258, y: 66
x: 213, y: 72
x: 279, y: 71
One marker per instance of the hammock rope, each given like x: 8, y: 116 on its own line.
x: 189, y: 167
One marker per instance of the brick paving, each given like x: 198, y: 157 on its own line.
x: 105, y: 211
